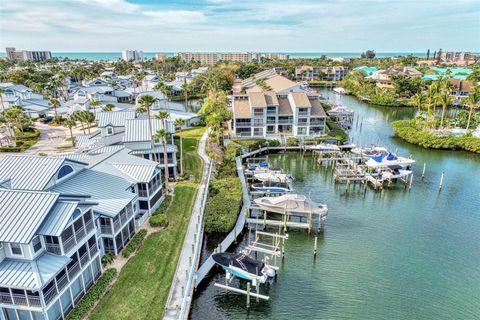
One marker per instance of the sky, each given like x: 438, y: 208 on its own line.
x: 240, y: 25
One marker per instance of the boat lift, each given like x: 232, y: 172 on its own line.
x: 270, y: 251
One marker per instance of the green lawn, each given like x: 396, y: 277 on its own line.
x: 192, y: 162
x: 142, y: 288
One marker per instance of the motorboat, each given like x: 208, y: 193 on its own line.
x: 325, y: 148
x: 340, y: 90
x: 292, y: 203
x: 369, y: 151
x: 273, y: 176
x: 272, y: 187
x: 242, y: 266
x: 388, y: 159
x: 394, y: 172
x: 261, y: 167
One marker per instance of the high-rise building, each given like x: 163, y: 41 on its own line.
x: 132, y: 55
x: 26, y: 55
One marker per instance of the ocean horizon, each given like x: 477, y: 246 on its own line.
x: 293, y: 55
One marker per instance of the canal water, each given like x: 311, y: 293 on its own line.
x: 395, y: 254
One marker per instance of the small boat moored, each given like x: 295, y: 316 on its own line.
x: 242, y: 266
x: 273, y: 176
x: 272, y: 187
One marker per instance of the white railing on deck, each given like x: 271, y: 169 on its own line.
x: 184, y: 308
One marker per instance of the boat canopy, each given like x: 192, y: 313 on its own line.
x: 291, y: 203
x: 391, y: 157
x: 241, y: 261
x: 263, y: 164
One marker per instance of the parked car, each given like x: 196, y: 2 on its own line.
x: 47, y: 119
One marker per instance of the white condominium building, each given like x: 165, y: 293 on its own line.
x: 26, y: 55
x: 132, y: 55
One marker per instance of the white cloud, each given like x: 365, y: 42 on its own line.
x: 277, y: 25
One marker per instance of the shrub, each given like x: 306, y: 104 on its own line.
x: 93, y: 295
x: 134, y: 243
x: 273, y: 143
x: 410, y: 132
x: 291, y: 142
x: 162, y: 209
x: 228, y: 167
x: 108, y: 258
x: 223, y: 205
x: 336, y: 132
x: 159, y: 220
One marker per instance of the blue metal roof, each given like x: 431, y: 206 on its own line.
x: 57, y: 219
x: 31, y: 275
x: 22, y: 213
x: 30, y: 172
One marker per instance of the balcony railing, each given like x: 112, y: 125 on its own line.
x: 89, y: 226
x: 6, y: 298
x: 62, y: 282
x: 258, y: 123
x: 243, y: 124
x: 106, y: 229
x: 271, y: 121
x: 143, y: 193
x: 79, y: 234
x: 20, y: 299
x: 73, y: 270
x: 50, y: 295
x: 282, y: 121
x: 68, y: 244
x: 303, y: 113
x: 116, y: 225
x: 54, y: 248
x: 93, y: 249
x: 84, y: 259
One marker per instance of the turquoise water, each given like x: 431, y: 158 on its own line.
x: 395, y: 254
x: 149, y: 55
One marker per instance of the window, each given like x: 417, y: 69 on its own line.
x: 302, y: 130
x: 109, y: 131
x: 37, y: 244
x: 65, y: 170
x: 76, y: 214
x: 16, y: 249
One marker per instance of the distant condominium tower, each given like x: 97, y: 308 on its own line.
x: 26, y: 55
x: 132, y: 55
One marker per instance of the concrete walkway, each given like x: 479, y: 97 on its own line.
x: 180, y: 280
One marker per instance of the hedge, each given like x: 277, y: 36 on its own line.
x: 93, y: 295
x: 134, y: 243
x: 408, y: 131
x: 223, y: 205
x: 159, y: 220
x: 162, y: 209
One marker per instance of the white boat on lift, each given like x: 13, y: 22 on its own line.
x: 273, y: 176
x: 369, y: 151
x: 292, y: 203
x: 325, y: 148
x: 388, y: 159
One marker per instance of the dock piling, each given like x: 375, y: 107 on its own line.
x: 315, y: 248
x: 423, y: 171
x: 441, y: 181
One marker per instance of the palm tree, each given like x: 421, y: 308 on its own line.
x: 473, y: 101
x: 163, y: 88
x: 70, y: 123
x: 146, y: 102
x: 2, y: 91
x: 108, y: 107
x: 180, y: 123
x: 94, y: 104
x: 162, y: 115
x: 445, y: 100
x: 418, y: 100
x: 55, y: 103
x: 77, y: 116
x: 163, y: 135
